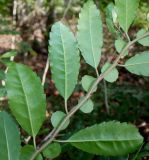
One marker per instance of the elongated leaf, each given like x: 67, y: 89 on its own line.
x: 10, y: 138
x: 144, y: 41
x: 9, y: 54
x: 139, y: 64
x: 57, y: 117
x: 126, y: 11
x: 108, y: 139
x: 109, y: 17
x: 90, y: 33
x: 26, y: 153
x: 52, y: 151
x: 64, y: 58
x: 112, y: 76
x: 26, y: 97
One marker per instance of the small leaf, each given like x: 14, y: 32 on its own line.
x: 90, y: 38
x: 109, y: 17
x: 57, y: 117
x: 9, y: 54
x: 87, y: 82
x: 144, y: 41
x: 52, y: 151
x: 139, y: 64
x: 10, y: 138
x: 119, y: 45
x: 88, y: 106
x: 126, y: 11
x: 27, y: 151
x: 26, y: 97
x: 64, y: 58
x: 108, y: 139
x: 112, y: 76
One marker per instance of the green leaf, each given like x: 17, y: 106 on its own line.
x: 90, y: 38
x: 64, y: 58
x: 52, y: 151
x: 57, y: 117
x: 126, y: 11
x: 139, y: 64
x: 9, y: 54
x: 2, y: 75
x: 109, y: 17
x: 144, y: 41
x: 87, y: 82
x: 26, y: 97
x: 3, y: 91
x: 108, y: 139
x: 112, y: 76
x: 119, y: 45
x: 114, y: 158
x: 88, y: 106
x: 27, y: 151
x: 10, y: 138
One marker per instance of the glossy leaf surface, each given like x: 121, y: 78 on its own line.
x: 108, y: 139
x: 26, y: 97
x: 9, y: 138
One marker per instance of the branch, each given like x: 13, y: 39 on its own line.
x: 77, y: 107
x: 45, y: 72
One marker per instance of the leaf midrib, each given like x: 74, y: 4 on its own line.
x: 26, y: 99
x: 90, y: 31
x: 7, y: 143
x: 65, y: 65
x: 100, y: 140
x: 134, y: 64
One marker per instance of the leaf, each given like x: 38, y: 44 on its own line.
x: 114, y: 158
x: 3, y: 91
x: 139, y: 64
x: 27, y: 151
x: 10, y: 138
x: 109, y: 17
x: 126, y: 11
x: 9, y: 54
x: 119, y: 45
x: 2, y: 75
x: 112, y: 76
x: 26, y: 97
x: 108, y: 139
x: 144, y: 41
x: 88, y: 106
x: 64, y: 58
x: 52, y: 151
x: 90, y: 38
x: 87, y: 82
x: 57, y: 117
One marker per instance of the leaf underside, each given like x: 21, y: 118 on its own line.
x: 139, y: 64
x: 89, y: 34
x: 64, y: 59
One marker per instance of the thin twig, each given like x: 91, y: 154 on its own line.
x: 67, y: 9
x: 106, y: 97
x: 77, y: 107
x: 45, y: 72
